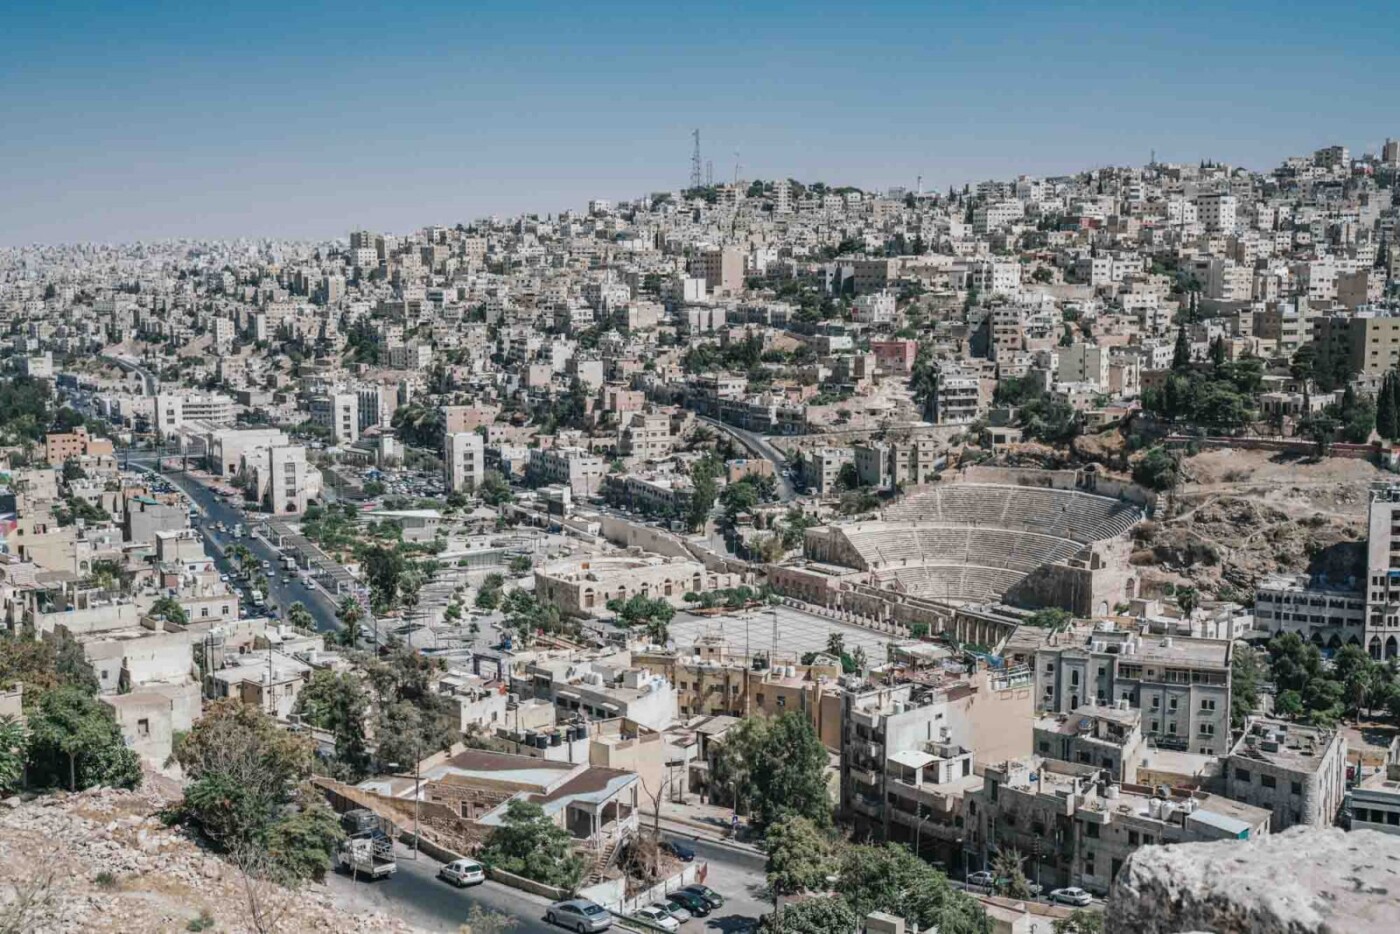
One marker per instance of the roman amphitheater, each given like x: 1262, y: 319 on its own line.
x: 1025, y: 538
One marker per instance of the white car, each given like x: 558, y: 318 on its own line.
x: 656, y: 916
x: 982, y: 879
x: 462, y: 872
x: 1072, y: 896
x: 674, y: 909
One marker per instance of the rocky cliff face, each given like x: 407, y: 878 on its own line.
x: 103, y: 861
x: 1302, y: 881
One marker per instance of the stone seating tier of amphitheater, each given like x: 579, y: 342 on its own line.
x: 889, y: 545
x: 954, y: 584
x: 973, y: 542
x: 1080, y: 517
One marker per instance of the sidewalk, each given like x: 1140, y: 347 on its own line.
x: 708, y: 822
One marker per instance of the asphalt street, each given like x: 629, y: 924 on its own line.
x: 417, y: 896
x: 214, y: 510
x: 761, y: 446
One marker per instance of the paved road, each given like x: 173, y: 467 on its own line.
x: 738, y: 876
x: 417, y: 896
x: 759, y: 445
x: 216, y: 510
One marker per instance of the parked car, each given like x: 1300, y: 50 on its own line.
x: 461, y: 872
x: 982, y: 879
x: 680, y: 850
x: 711, y: 897
x: 697, y: 905
x: 1072, y: 896
x: 579, y: 914
x: 657, y: 917
x: 675, y: 909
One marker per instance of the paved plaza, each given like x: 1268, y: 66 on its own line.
x: 797, y: 632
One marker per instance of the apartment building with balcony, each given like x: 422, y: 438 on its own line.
x: 1181, y: 685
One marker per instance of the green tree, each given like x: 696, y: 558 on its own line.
x: 531, y: 845
x: 1388, y: 407
x: 244, y: 794
x: 889, y: 878
x: 300, y: 843
x: 1157, y: 470
x: 169, y: 609
x: 42, y: 664
x: 336, y: 701
x: 409, y: 731
x: 812, y: 916
x: 350, y: 614
x: 74, y: 741
x: 1049, y: 618
x: 1246, y: 674
x: 14, y: 746
x: 779, y: 766
x: 384, y: 567
x: 1007, y: 868
x: 1289, y: 704
x: 494, y: 490
x: 800, y: 856
x: 704, y: 489
x: 299, y: 617
x: 1187, y: 598
x: 1181, y: 352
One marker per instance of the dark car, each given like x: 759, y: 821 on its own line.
x: 711, y: 897
x: 697, y: 905
x: 680, y: 850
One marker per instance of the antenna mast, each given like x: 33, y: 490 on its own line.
x: 695, y: 161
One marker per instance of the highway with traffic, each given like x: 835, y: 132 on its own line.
x: 283, y: 589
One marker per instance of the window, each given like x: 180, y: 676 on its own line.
x: 1171, y: 704
x: 143, y: 727
x: 1091, y: 830
x: 1242, y: 775
x: 1207, y: 704
x: 1207, y: 729
x: 1268, y: 781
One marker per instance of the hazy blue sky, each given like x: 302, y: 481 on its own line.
x: 134, y: 120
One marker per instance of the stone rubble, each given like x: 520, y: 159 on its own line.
x: 160, y: 878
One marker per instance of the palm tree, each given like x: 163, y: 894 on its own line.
x: 299, y: 617
x: 350, y: 615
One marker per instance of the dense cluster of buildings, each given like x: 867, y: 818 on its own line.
x: 813, y: 359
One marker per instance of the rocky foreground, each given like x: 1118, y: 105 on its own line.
x: 1302, y: 881
x: 103, y: 861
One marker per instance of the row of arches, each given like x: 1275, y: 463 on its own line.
x: 1377, y: 649
x: 667, y: 588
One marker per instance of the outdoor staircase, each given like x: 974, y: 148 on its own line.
x: 604, y: 860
